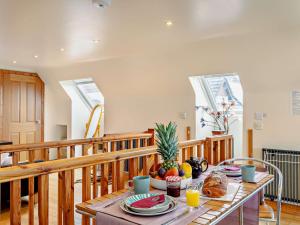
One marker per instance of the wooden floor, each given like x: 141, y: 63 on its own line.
x: 287, y: 219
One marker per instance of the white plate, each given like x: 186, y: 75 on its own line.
x: 127, y: 210
x: 162, y: 184
x: 232, y: 189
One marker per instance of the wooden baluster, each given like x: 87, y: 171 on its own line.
x: 145, y: 165
x: 104, y: 173
x: 191, y: 152
x: 137, y: 159
x: 60, y: 191
x: 223, y: 150
x: 114, y: 182
x: 15, y: 195
x: 226, y: 148
x: 72, y: 155
x: 208, y: 151
x: 43, y: 195
x: 31, y: 192
x: 152, y: 138
x: 145, y: 159
x: 120, y: 170
x: 133, y: 162
x: 68, y: 207
x: 146, y: 142
x: 199, y: 153
x: 184, y: 158
x: 95, y: 183
x: 230, y: 147
x: 138, y: 143
x: 86, y: 185
x: 217, y: 150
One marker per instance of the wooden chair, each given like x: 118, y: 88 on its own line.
x: 266, y: 214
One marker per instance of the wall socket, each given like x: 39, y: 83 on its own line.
x: 183, y: 115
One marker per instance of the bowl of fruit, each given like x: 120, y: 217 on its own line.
x: 167, y: 143
x: 158, y: 177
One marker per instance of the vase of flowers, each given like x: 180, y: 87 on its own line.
x: 219, y: 120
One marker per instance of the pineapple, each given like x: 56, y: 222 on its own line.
x: 167, y: 143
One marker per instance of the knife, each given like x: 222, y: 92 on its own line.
x: 185, y: 212
x: 113, y: 202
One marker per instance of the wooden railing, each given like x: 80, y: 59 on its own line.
x: 109, y: 143
x: 114, y: 157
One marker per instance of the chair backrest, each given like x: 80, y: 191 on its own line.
x: 280, y: 178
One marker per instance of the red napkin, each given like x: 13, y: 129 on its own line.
x: 149, y: 202
x: 232, y: 168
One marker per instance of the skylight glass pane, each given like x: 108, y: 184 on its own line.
x: 226, y: 88
x: 89, y: 92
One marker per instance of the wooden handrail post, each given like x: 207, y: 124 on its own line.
x: 68, y: 208
x: 152, y: 139
x: 43, y: 204
x: 15, y: 196
x: 86, y: 185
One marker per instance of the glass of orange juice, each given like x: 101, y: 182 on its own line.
x: 193, y: 195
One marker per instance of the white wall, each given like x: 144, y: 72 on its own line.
x: 144, y: 89
x: 200, y: 100
x: 79, y: 111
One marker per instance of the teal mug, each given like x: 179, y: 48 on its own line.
x: 248, y: 173
x: 141, y: 184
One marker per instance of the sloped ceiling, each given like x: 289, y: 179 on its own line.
x: 127, y: 27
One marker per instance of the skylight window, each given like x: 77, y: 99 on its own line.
x: 90, y: 92
x: 224, y: 87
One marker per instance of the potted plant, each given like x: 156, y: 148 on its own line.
x: 219, y: 120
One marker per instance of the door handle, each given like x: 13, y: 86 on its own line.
x: 38, y: 122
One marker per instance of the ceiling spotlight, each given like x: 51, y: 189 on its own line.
x: 36, y: 56
x: 14, y: 62
x: 102, y: 3
x: 62, y: 49
x: 95, y: 41
x: 169, y: 23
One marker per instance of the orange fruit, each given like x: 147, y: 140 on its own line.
x: 158, y: 178
x: 172, y: 172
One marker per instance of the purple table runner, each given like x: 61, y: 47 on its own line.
x: 114, y: 215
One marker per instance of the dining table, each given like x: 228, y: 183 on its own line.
x: 243, y: 209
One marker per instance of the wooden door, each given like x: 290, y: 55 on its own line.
x: 23, y: 109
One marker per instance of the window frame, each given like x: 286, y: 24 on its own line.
x: 210, y: 95
x: 82, y: 94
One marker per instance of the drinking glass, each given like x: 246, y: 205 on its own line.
x: 193, y: 195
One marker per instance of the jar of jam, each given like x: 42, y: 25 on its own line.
x: 173, y: 186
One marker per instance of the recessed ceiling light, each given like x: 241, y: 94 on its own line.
x: 169, y: 23
x: 95, y: 41
x: 14, y: 62
x: 36, y: 56
x: 62, y: 49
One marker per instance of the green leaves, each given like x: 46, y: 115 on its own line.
x: 167, y: 141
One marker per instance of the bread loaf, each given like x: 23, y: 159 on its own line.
x: 215, y: 185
